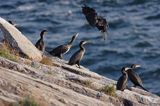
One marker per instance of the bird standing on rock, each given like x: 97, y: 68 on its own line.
x: 122, y: 81
x: 134, y: 77
x: 77, y: 56
x: 62, y: 49
x: 40, y: 43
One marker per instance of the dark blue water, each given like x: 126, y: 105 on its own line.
x: 134, y: 32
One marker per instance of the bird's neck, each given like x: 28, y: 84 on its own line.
x: 41, y: 36
x: 70, y: 43
x: 82, y: 47
x: 125, y: 74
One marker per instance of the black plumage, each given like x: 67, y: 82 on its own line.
x: 62, y: 49
x: 77, y: 56
x: 134, y: 77
x: 40, y: 43
x: 101, y: 23
x: 90, y: 14
x: 95, y: 20
x: 122, y: 81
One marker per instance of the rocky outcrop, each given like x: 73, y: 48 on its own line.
x: 18, y: 41
x: 58, y: 84
x: 63, y: 85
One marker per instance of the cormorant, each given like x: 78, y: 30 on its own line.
x: 90, y: 14
x: 77, y: 56
x: 134, y: 77
x: 40, y: 43
x: 95, y: 20
x: 122, y: 81
x: 62, y: 49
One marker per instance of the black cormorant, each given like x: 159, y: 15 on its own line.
x: 95, y: 20
x: 77, y: 56
x: 122, y: 81
x: 134, y: 77
x: 40, y: 43
x: 62, y: 49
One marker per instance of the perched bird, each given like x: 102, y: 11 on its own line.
x: 90, y: 14
x: 134, y: 77
x: 122, y: 81
x: 77, y: 56
x: 62, y: 49
x: 40, y: 43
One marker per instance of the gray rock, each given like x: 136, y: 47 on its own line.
x: 56, y: 86
x: 18, y: 41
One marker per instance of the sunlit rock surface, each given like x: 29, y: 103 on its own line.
x: 18, y: 41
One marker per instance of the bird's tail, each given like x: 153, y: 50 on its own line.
x: 143, y: 88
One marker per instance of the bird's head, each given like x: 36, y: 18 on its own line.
x: 43, y: 32
x: 75, y: 36
x: 125, y: 69
x: 135, y: 66
x: 83, y: 42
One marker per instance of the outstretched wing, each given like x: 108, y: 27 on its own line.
x: 90, y: 15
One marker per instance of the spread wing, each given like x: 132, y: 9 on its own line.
x: 90, y: 14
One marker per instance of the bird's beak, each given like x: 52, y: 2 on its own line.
x: 137, y: 65
x: 88, y: 41
x: 85, y: 42
x: 127, y: 68
x: 76, y: 35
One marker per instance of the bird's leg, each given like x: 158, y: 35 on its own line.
x: 134, y: 86
x: 78, y: 63
x: 61, y: 56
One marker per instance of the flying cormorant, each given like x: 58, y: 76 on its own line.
x: 95, y: 20
x: 134, y: 77
x: 77, y: 56
x: 62, y: 49
x: 40, y: 43
x: 122, y: 81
